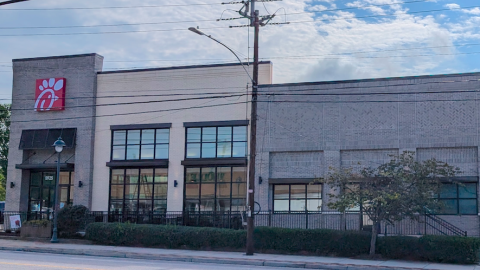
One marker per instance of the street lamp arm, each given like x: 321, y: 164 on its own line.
x: 196, y: 31
x: 210, y: 37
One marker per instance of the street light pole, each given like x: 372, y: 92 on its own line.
x: 198, y: 32
x: 59, y: 144
x: 253, y: 129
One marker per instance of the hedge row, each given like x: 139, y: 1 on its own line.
x: 273, y: 240
x: 444, y: 249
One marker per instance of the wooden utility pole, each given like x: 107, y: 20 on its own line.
x: 253, y: 135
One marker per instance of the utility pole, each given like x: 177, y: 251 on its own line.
x: 255, y: 21
x: 11, y: 2
x: 253, y: 135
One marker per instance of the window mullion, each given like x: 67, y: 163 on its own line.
x: 201, y: 143
x: 155, y: 148
x: 289, y: 197
x: 231, y: 142
x: 140, y: 146
x: 216, y: 142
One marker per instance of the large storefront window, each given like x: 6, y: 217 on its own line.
x: 216, y: 142
x: 297, y: 197
x: 140, y: 144
x: 42, y: 190
x: 459, y: 198
x: 138, y: 190
x: 215, y: 189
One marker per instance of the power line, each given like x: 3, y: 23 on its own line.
x: 182, y: 29
x: 100, y: 25
x: 143, y: 102
x: 114, y: 7
x: 191, y: 21
x: 328, y: 83
x: 367, y: 101
x: 123, y: 114
x: 11, y: 2
x: 375, y: 16
x: 362, y: 7
x: 108, y: 32
x: 280, y: 57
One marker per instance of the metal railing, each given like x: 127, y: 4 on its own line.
x: 442, y: 226
x: 424, y: 224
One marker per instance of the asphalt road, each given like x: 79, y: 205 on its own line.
x: 42, y: 261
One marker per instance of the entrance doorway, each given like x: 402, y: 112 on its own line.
x: 42, y: 190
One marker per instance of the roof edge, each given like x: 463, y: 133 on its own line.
x: 370, y: 79
x: 180, y: 67
x: 55, y: 57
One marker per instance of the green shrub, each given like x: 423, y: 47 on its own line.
x: 126, y: 234
x: 398, y: 247
x: 71, y: 219
x: 39, y: 223
x: 443, y: 249
x: 448, y: 249
x: 318, y: 241
x: 321, y: 242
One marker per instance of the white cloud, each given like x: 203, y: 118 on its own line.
x: 390, y: 43
x: 452, y: 6
x: 473, y: 11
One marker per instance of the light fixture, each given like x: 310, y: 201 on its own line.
x: 196, y: 31
x: 260, y: 180
x: 175, y: 183
x: 59, y: 144
x: 80, y: 184
x: 12, y: 184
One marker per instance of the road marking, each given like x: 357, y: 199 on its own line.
x: 50, y: 266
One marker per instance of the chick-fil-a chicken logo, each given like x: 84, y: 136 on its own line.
x: 50, y: 94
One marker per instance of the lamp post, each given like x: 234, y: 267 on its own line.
x: 253, y: 129
x: 58, y: 144
x: 198, y: 32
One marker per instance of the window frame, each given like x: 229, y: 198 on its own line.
x: 216, y: 183
x: 138, y: 185
x: 289, y: 200
x: 457, y: 199
x: 41, y: 186
x: 201, y: 142
x: 141, y: 145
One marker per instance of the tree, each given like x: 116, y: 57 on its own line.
x: 399, y: 189
x: 4, y: 139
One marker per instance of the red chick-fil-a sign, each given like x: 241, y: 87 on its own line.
x: 50, y: 94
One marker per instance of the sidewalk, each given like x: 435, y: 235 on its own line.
x: 309, y: 262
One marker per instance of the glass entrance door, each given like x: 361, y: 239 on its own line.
x: 42, y: 190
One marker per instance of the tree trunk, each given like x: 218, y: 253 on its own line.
x: 373, y: 240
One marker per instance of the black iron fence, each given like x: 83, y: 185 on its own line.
x: 422, y: 225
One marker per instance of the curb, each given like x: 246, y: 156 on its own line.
x: 200, y: 259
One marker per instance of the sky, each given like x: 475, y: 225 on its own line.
x: 310, y: 40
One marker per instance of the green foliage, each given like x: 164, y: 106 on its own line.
x: 126, y: 234
x: 321, y: 242
x: 443, y: 249
x: 4, y: 139
x: 39, y: 223
x: 316, y: 241
x: 71, y: 219
x: 398, y: 189
x: 2, y: 188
